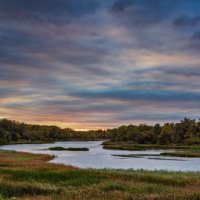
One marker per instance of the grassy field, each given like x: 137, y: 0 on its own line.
x: 28, y: 177
x: 68, y: 149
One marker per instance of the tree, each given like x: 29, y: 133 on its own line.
x: 2, y: 136
x: 15, y: 136
x: 165, y: 136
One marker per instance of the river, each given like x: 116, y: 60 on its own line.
x: 97, y: 157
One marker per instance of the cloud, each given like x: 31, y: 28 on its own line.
x: 194, y: 42
x: 186, y: 21
x: 196, y: 36
x: 189, y: 72
x: 43, y: 11
x: 121, y: 6
x: 92, y: 63
x: 155, y: 117
x: 130, y: 94
x: 139, y: 13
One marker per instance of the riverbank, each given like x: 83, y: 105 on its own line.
x: 29, y: 176
x: 46, y: 141
x: 27, y: 142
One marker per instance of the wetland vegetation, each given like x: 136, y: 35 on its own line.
x: 28, y: 176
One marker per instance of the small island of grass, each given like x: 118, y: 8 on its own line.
x: 187, y: 154
x: 68, y: 149
x: 121, y: 145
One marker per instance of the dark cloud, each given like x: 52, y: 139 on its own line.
x: 196, y: 36
x: 6, y: 92
x: 23, y: 49
x: 139, y: 12
x: 148, y: 22
x: 121, y: 6
x: 131, y: 95
x: 11, y: 74
x: 150, y: 117
x: 186, y: 21
x: 185, y: 71
x: 194, y: 42
x: 46, y: 10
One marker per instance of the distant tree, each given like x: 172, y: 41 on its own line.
x: 15, y: 136
x: 157, y: 129
x: 2, y: 136
x: 165, y: 135
x: 186, y: 131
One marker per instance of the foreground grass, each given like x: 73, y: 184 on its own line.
x: 68, y: 149
x: 28, y: 177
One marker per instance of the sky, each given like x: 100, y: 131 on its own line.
x: 90, y: 64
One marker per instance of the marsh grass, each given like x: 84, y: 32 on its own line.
x: 11, y: 188
x: 141, y: 147
x: 34, y: 178
x: 67, y: 178
x: 187, y: 154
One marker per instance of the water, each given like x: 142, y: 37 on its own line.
x: 97, y: 157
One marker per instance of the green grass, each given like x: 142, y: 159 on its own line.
x: 135, y: 147
x: 34, y: 178
x: 68, y: 149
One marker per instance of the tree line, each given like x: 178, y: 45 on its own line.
x: 187, y: 131
x: 13, y: 131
